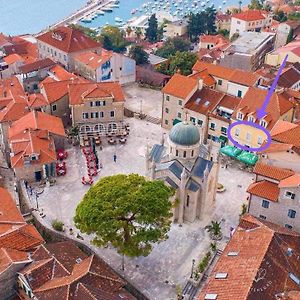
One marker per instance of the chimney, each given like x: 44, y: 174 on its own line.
x: 200, y: 84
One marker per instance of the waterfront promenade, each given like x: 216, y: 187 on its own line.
x: 79, y: 14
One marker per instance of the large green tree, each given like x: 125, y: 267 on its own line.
x: 126, y: 211
x: 138, y: 54
x: 256, y: 4
x: 113, y: 39
x: 181, y: 62
x: 152, y: 29
x: 172, y: 45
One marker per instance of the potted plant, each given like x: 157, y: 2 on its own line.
x: 214, y: 230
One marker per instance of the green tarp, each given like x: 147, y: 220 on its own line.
x: 248, y: 158
x: 230, y: 151
x: 176, y: 121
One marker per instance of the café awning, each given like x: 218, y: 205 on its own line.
x: 230, y: 151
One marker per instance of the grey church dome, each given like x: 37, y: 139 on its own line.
x: 184, y: 134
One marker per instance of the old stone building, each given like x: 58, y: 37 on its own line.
x: 186, y: 165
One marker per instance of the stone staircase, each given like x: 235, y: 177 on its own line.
x: 153, y: 120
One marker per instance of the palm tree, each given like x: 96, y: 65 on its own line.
x: 244, y: 209
x: 214, y: 230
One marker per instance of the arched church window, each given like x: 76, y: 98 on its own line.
x: 192, y: 153
x: 187, y: 200
x: 184, y: 153
x: 176, y: 152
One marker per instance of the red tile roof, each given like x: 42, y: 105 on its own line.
x: 292, y: 181
x: 61, y: 74
x: 272, y: 172
x: 213, y: 39
x: 37, y: 65
x: 78, y: 92
x: 36, y: 120
x: 36, y: 100
x: 233, y: 75
x: 13, y: 58
x: 11, y: 256
x: 93, y: 60
x: 180, y: 86
x: 288, y: 136
x: 264, y: 189
x: 68, y: 39
x: 208, y: 80
x: 261, y: 267
x: 249, y: 15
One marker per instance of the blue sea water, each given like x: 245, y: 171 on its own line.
x: 31, y: 16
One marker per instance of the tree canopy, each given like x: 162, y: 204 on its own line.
x: 181, y: 62
x: 138, y: 54
x: 280, y: 16
x: 152, y: 29
x: 172, y: 45
x: 112, y: 38
x: 256, y: 4
x: 126, y: 211
x: 203, y: 22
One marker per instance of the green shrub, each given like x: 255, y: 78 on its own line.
x: 58, y: 225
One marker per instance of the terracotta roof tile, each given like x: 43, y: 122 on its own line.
x: 264, y: 189
x: 260, y: 246
x: 180, y: 86
x: 208, y: 80
x: 36, y: 100
x: 68, y: 40
x: 249, y: 15
x: 214, y: 39
x: 78, y: 92
x: 13, y: 58
x: 292, y: 181
x: 37, y: 65
x: 282, y: 126
x: 11, y: 256
x: 92, y: 59
x: 61, y: 74
x: 290, y: 136
x: 204, y: 101
x: 272, y: 172
x: 36, y: 120
x: 275, y: 147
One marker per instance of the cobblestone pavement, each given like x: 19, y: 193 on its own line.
x: 170, y: 261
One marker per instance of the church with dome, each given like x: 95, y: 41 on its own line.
x: 187, y: 165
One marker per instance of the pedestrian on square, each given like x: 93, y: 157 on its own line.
x: 115, y: 158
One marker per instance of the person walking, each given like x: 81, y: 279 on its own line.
x: 115, y: 158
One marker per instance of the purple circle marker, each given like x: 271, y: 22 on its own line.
x: 248, y: 123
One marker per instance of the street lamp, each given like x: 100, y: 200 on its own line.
x: 36, y: 200
x: 193, y: 265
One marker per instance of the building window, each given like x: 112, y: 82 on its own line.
x: 290, y: 195
x: 98, y: 103
x: 263, y: 123
x: 94, y: 115
x: 65, y: 57
x: 240, y: 116
x: 192, y: 154
x: 92, y: 104
x: 262, y: 217
x: 184, y: 153
x: 193, y: 120
x: 167, y: 98
x: 101, y: 114
x: 248, y: 137
x: 265, y: 204
x: 237, y: 132
x: 200, y: 122
x: 85, y: 115
x: 180, y: 102
x: 167, y: 110
x: 179, y: 115
x: 176, y: 152
x: 259, y: 140
x: 238, y: 22
x: 187, y: 200
x: 220, y: 82
x: 292, y: 213
x: 212, y: 126
x: 251, y: 119
x: 112, y: 114
x: 54, y: 107
x: 288, y: 226
x: 166, y: 122
x: 224, y: 130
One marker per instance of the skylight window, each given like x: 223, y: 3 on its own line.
x: 221, y: 275
x: 294, y: 278
x: 206, y: 103
x: 211, y: 296
x: 232, y: 253
x: 198, y: 100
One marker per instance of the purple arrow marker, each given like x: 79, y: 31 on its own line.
x: 261, y: 112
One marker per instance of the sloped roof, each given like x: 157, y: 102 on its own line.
x: 61, y: 74
x: 261, y: 267
x: 94, y: 60
x: 272, y: 172
x: 289, y: 78
x: 233, y: 75
x: 13, y: 58
x: 36, y: 120
x: 68, y: 39
x: 11, y: 256
x: 288, y: 136
x: 249, y: 15
x: 292, y: 181
x: 264, y: 189
x: 180, y: 86
x: 80, y: 91
x: 37, y: 65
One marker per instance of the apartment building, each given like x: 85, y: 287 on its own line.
x: 227, y: 80
x: 176, y: 28
x: 248, y: 51
x: 106, y: 66
x: 275, y: 196
x: 63, y: 43
x: 279, y: 108
x: 250, y: 20
x: 96, y: 106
